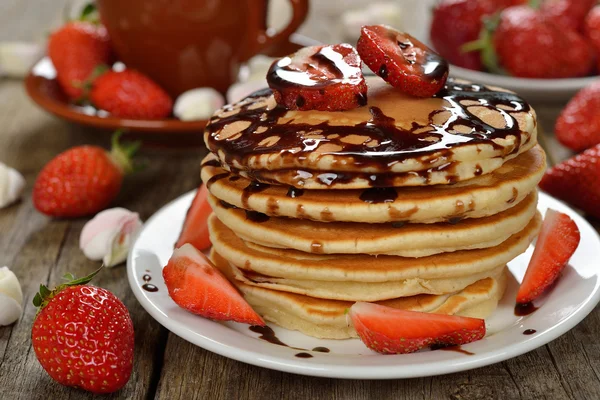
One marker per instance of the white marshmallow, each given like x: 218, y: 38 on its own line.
x: 16, y: 58
x: 109, y: 235
x: 12, y: 184
x: 199, y: 103
x: 11, y: 297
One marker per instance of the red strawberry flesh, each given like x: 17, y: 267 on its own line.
x: 197, y: 286
x: 326, y: 78
x: 195, y: 227
x: 392, y: 331
x: 556, y: 243
x: 402, y: 60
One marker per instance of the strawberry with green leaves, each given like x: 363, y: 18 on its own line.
x: 76, y: 49
x: 83, y: 336
x: 83, y: 180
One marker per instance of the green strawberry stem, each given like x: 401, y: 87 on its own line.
x: 121, y: 154
x: 485, y: 45
x: 89, y: 13
x: 44, y: 296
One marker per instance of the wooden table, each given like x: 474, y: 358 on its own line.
x: 40, y: 249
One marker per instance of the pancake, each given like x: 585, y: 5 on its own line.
x: 362, y: 291
x: 465, y: 131
x: 407, y: 240
x: 479, y: 197
x: 293, y: 264
x: 327, y: 318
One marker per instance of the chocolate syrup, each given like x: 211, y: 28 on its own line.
x: 529, y: 331
x: 226, y: 205
x: 253, y: 187
x: 148, y: 287
x: 432, y: 66
x: 383, y: 71
x: 321, y: 349
x: 379, y: 195
x: 266, y: 333
x: 215, y: 178
x: 294, y: 192
x: 234, y: 178
x: 324, y: 68
x: 256, y: 216
x: 457, y: 349
x: 393, y: 144
x: 524, y: 309
x: 303, y: 355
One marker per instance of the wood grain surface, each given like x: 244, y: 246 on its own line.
x: 39, y: 249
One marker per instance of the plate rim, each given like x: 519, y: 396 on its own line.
x: 311, y: 367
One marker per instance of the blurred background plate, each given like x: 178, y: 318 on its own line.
x: 533, y: 90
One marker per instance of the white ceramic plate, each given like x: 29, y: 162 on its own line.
x: 575, y: 295
x: 534, y: 90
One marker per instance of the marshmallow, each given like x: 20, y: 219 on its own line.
x: 199, y: 103
x: 16, y: 58
x: 12, y: 184
x: 11, y: 297
x: 109, y: 235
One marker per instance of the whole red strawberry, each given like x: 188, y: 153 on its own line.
x: 569, y: 14
x: 82, y: 180
x: 577, y: 181
x: 130, y: 94
x: 83, y: 336
x: 578, y: 125
x: 75, y: 50
x: 592, y: 28
x: 457, y: 22
x: 529, y: 45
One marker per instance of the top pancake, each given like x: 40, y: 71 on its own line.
x: 395, y: 140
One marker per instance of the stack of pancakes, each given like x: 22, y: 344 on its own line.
x: 412, y: 203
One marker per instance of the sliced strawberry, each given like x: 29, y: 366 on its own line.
x: 556, y: 243
x: 392, y: 331
x: 197, y: 286
x: 402, y: 61
x: 195, y: 228
x: 326, y: 78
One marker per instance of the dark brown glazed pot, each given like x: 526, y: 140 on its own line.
x: 184, y: 44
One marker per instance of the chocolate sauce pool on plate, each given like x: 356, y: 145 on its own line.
x: 522, y: 310
x: 267, y: 334
x: 529, y: 331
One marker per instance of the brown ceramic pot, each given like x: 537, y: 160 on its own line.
x: 184, y: 44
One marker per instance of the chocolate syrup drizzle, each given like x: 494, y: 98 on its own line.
x: 394, y: 144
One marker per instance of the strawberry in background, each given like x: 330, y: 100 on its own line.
x: 82, y: 180
x: 76, y: 49
x: 592, y: 29
x: 570, y: 14
x: 458, y: 22
x: 578, y: 125
x: 529, y: 45
x: 130, y: 94
x: 577, y: 181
